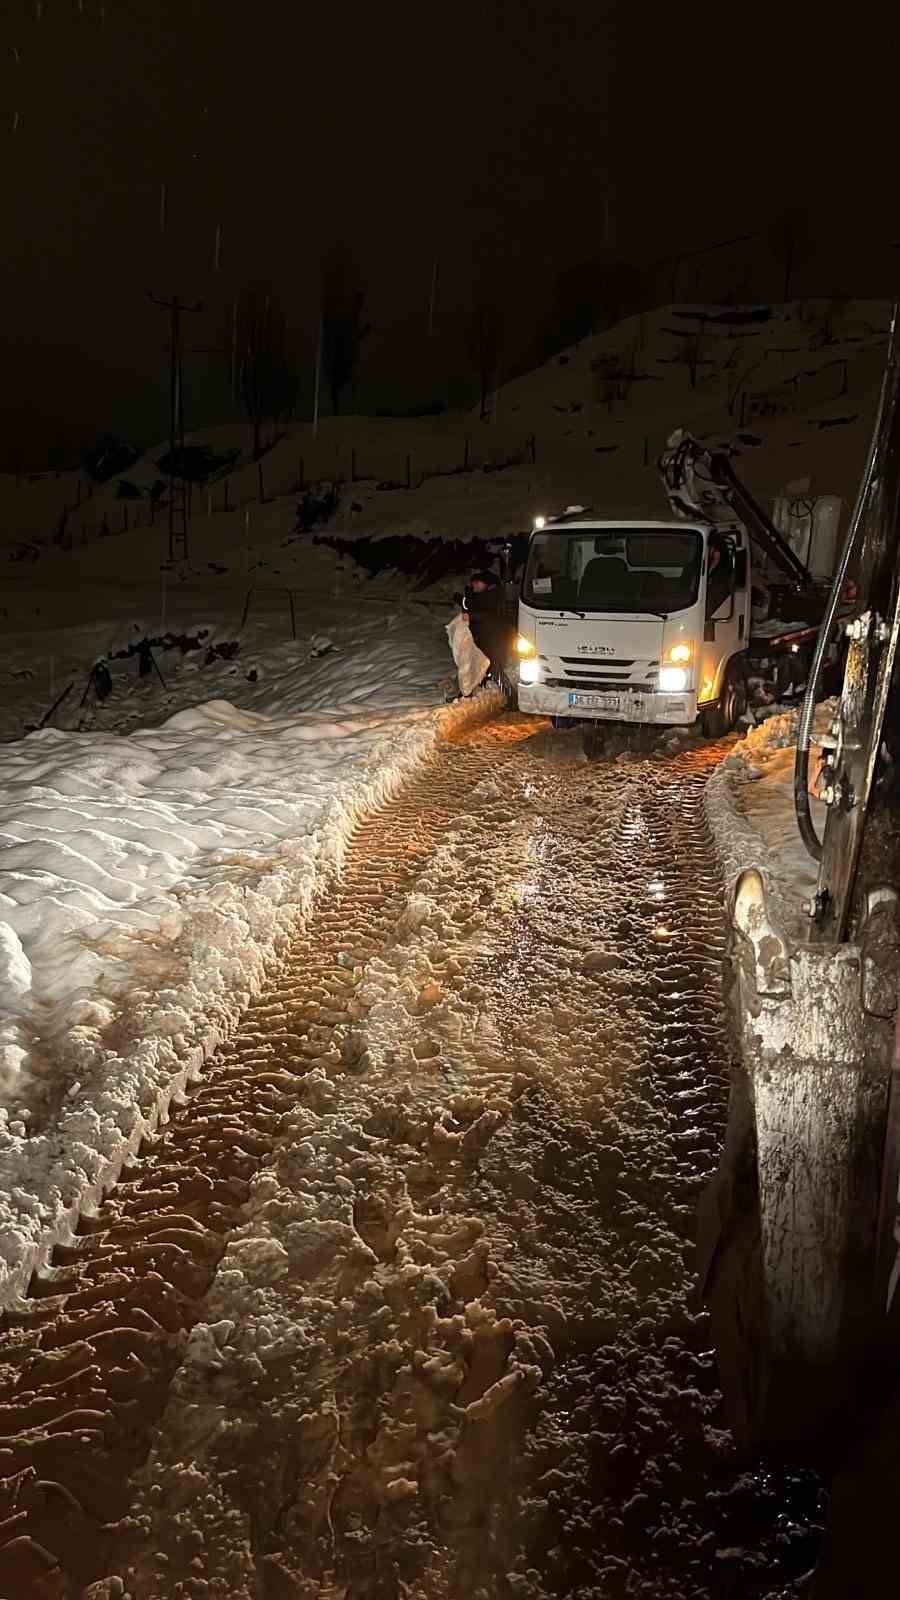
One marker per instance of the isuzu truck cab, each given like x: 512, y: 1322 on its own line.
x: 658, y: 621
x: 635, y: 621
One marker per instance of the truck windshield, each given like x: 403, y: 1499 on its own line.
x: 613, y: 569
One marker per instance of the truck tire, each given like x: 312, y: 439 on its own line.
x: 722, y: 717
x: 509, y: 690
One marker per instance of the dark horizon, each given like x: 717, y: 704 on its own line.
x: 503, y: 142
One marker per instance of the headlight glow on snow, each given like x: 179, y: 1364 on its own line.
x: 681, y: 653
x: 529, y: 671
x: 672, y: 680
x: 524, y: 647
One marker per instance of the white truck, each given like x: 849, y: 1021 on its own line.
x: 647, y: 621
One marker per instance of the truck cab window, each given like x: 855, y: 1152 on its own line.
x: 608, y: 569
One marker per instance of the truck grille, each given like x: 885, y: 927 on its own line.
x: 582, y: 672
x: 600, y: 661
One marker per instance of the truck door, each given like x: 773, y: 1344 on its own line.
x: 725, y: 630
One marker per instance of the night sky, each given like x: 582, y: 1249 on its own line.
x: 507, y: 139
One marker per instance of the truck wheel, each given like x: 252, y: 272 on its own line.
x: 509, y: 690
x: 731, y: 705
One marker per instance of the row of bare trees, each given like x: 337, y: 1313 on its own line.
x: 263, y: 367
x: 588, y: 297
x: 261, y: 361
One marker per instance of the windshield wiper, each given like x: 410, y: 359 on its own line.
x: 621, y: 611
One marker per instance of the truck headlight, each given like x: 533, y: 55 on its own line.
x: 524, y: 647
x: 530, y: 671
x: 672, y: 680
x: 681, y: 653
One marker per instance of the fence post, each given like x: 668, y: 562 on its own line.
x: 290, y: 595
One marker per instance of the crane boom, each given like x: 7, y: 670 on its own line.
x: 702, y: 483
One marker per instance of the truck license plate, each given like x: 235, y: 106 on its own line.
x: 596, y: 702
x: 607, y: 705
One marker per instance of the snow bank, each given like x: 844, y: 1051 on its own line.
x: 750, y: 808
x: 147, y: 884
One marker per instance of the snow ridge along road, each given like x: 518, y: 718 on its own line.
x: 174, y: 868
x: 398, y: 1302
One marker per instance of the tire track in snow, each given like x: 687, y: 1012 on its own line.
x: 441, y: 1345
x: 87, y: 1368
x: 457, y: 1223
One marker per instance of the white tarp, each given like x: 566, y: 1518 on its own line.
x: 471, y: 663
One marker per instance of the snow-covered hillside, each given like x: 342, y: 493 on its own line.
x: 789, y: 390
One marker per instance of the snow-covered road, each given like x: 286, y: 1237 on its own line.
x: 399, y: 1302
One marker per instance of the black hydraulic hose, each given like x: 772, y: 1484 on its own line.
x: 804, y: 727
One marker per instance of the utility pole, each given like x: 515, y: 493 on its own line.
x: 318, y: 376
x: 178, y: 512
x: 432, y: 301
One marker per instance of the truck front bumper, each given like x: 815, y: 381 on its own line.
x: 540, y: 701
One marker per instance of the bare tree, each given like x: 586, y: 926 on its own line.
x: 690, y: 352
x: 607, y: 372
x: 588, y: 297
x: 343, y: 329
x: 829, y: 315
x: 262, y: 373
x: 485, y: 343
x: 790, y: 243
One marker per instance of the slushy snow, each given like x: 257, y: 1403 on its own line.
x: 149, y: 880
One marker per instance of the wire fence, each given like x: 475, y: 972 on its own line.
x: 95, y: 513
x: 293, y: 467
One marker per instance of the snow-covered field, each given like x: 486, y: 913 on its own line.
x: 160, y: 847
